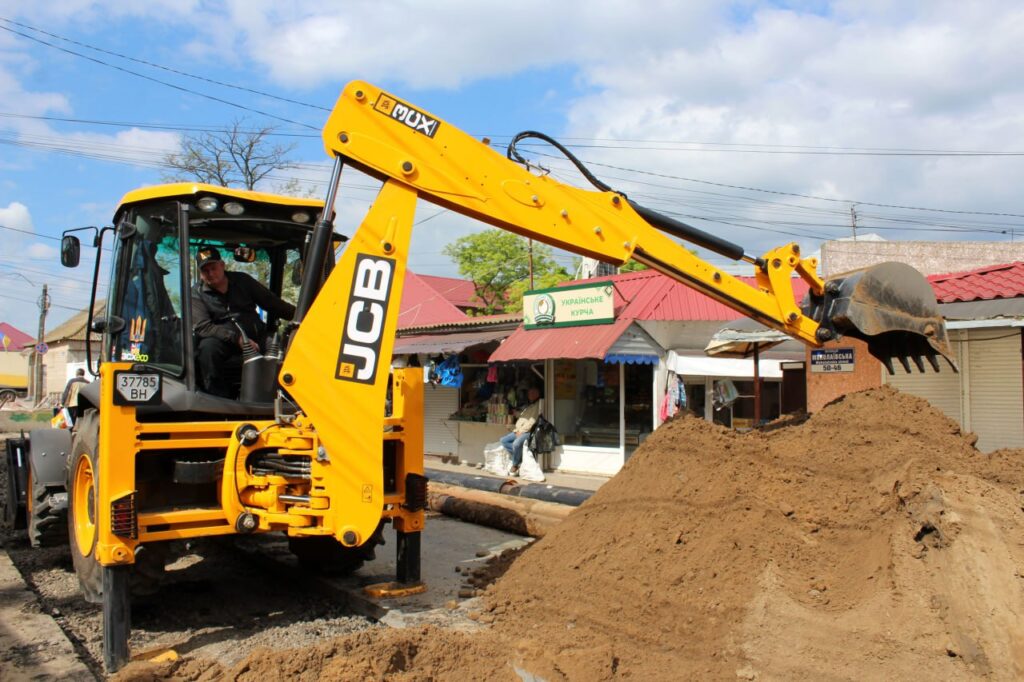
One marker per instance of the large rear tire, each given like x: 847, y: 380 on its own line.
x: 45, y: 510
x: 150, y: 559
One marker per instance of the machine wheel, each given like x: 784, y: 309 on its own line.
x: 148, y: 570
x: 323, y: 554
x: 13, y: 513
x: 7, y: 396
x: 82, y: 512
x: 45, y: 511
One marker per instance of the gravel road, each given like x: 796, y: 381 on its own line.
x: 217, y: 601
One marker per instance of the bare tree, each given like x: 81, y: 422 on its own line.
x: 236, y: 156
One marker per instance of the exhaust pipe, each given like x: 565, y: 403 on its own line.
x: 892, y: 307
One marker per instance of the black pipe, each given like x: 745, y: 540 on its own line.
x: 689, y: 233
x: 573, y: 497
x: 488, y: 483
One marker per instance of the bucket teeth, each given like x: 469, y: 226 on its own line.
x: 888, y: 365
x: 892, y: 307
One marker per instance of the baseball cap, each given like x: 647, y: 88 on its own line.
x: 206, y: 254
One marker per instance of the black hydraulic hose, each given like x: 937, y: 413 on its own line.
x: 662, y: 222
x: 689, y: 233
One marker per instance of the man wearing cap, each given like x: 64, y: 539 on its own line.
x: 217, y: 296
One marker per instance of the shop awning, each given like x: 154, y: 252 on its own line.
x: 620, y: 341
x: 698, y: 364
x: 433, y: 344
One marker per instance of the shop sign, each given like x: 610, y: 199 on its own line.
x: 577, y: 305
x: 832, y: 360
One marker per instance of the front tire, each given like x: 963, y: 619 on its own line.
x: 82, y: 509
x: 148, y: 570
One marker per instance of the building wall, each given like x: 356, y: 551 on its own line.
x: 823, y: 388
x: 14, y: 369
x: 931, y: 258
x: 987, y: 396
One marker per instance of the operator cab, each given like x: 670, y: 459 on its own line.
x: 157, y: 235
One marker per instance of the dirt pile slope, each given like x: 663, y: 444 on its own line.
x: 871, y: 541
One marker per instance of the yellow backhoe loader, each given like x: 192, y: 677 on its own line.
x: 307, y: 448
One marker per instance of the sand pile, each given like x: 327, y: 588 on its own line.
x: 871, y: 541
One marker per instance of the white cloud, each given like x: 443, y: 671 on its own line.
x: 16, y: 216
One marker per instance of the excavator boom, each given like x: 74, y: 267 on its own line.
x: 890, y: 306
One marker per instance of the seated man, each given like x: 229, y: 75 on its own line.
x: 515, y: 440
x: 219, y: 341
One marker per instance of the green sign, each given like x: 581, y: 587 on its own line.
x: 571, y: 306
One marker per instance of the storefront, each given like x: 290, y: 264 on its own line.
x: 456, y: 421
x: 598, y: 371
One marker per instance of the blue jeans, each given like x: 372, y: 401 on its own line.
x: 514, y: 445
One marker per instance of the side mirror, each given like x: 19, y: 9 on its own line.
x: 245, y: 254
x: 70, y: 251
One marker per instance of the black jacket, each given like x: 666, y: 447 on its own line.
x: 210, y: 308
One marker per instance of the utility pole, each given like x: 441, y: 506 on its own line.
x: 531, y: 262
x: 37, y: 381
x: 853, y: 220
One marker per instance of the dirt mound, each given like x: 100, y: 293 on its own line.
x: 870, y: 541
x: 861, y: 543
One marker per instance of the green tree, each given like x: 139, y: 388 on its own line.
x: 498, y: 264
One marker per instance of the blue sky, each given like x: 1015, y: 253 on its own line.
x: 761, y: 122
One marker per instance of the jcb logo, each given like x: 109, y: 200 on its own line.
x: 367, y: 312
x: 410, y: 116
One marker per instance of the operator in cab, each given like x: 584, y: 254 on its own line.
x: 219, y: 296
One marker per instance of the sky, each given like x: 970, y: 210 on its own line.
x: 760, y: 122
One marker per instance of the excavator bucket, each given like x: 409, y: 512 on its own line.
x: 892, y: 307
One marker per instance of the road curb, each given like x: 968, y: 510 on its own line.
x: 32, y: 645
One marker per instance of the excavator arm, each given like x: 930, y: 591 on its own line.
x: 892, y: 308
x: 337, y: 362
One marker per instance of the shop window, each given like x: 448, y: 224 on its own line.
x: 587, y: 402
x: 639, y: 412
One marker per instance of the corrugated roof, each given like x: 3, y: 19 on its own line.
x: 983, y: 284
x: 650, y: 295
x: 459, y: 292
x: 468, y: 322
x: 643, y: 295
x: 13, y: 339
x: 424, y: 305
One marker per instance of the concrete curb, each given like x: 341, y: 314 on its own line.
x: 32, y: 645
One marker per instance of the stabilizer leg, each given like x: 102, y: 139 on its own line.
x: 117, y: 616
x: 408, y: 562
x: 407, y: 570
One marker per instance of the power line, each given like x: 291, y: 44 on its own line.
x: 155, y: 80
x: 165, y: 68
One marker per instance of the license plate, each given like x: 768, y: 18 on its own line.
x: 136, y: 388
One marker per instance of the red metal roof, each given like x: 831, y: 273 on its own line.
x: 12, y: 339
x: 643, y: 295
x: 458, y: 292
x: 423, y: 305
x: 982, y: 284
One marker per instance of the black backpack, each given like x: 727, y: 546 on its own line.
x: 543, y: 437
